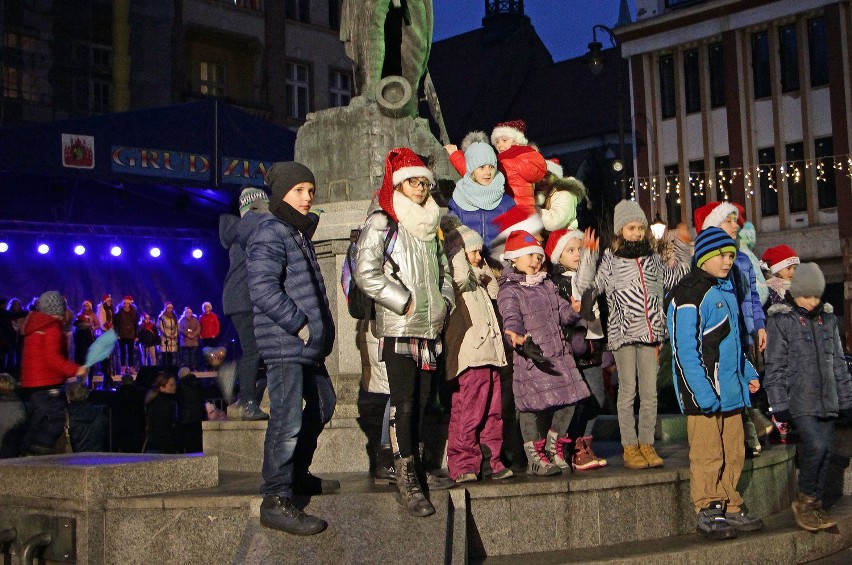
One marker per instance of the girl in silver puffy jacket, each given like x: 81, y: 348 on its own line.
x: 413, y: 293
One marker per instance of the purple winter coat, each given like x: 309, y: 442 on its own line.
x: 539, y: 311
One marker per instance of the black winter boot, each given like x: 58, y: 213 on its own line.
x: 279, y: 513
x: 410, y: 492
x: 384, y: 472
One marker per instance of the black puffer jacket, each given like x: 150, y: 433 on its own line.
x: 805, y: 368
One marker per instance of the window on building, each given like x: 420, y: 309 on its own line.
x: 697, y: 183
x: 724, y: 177
x: 334, y: 14
x: 760, y: 64
x: 788, y: 48
x: 818, y: 51
x: 298, y: 10
x: 766, y: 181
x: 211, y: 79
x: 340, y: 88
x: 692, y: 81
x: 794, y: 172
x: 825, y: 180
x: 298, y: 90
x: 667, y: 86
x: 101, y: 97
x: 673, y: 189
x: 716, y: 62
x: 11, y: 88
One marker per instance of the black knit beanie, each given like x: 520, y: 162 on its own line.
x: 283, y: 176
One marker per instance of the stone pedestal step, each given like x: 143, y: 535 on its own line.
x: 781, y: 542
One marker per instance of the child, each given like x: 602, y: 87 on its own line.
x: 781, y: 262
x: 44, y: 370
x: 480, y: 195
x: 712, y: 380
x: 523, y: 165
x: 808, y: 384
x: 295, y: 333
x: 546, y: 382
x: 634, y: 277
x: 474, y: 354
x: 558, y: 197
x: 148, y: 339
x: 413, y: 294
x: 563, y: 250
x: 209, y: 322
x: 748, y: 240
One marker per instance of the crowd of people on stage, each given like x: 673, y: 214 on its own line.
x: 522, y: 313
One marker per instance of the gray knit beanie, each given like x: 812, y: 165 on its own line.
x: 52, y: 303
x: 478, y: 154
x: 627, y: 211
x: 253, y: 198
x: 808, y: 280
x: 284, y: 175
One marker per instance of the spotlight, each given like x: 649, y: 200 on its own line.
x: 4, y: 247
x: 79, y: 250
x: 116, y: 250
x: 197, y: 253
x: 155, y: 252
x: 43, y: 248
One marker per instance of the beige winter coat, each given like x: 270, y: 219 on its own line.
x: 473, y: 337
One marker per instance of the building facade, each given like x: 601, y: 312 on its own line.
x: 278, y: 60
x: 748, y: 101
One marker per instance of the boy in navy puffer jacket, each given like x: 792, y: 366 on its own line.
x: 712, y: 379
x: 295, y: 333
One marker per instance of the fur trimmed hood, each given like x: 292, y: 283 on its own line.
x: 784, y: 308
x: 551, y: 182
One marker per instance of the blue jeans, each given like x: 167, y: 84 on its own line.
x: 815, y: 435
x: 292, y: 432
x: 187, y: 356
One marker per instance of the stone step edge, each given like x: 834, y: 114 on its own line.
x: 780, y: 542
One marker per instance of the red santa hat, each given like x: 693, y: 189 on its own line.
x: 712, y: 214
x: 128, y: 297
x: 557, y: 241
x: 400, y: 164
x: 521, y: 243
x: 553, y: 166
x: 513, y: 129
x: 517, y: 218
x: 105, y: 297
x: 741, y: 214
x: 779, y: 257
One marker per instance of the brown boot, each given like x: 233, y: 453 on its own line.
x: 410, y: 491
x: 633, y: 458
x: 650, y: 454
x: 809, y: 513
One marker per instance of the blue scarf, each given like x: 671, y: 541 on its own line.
x: 470, y: 195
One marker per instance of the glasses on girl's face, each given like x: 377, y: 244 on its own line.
x: 417, y: 183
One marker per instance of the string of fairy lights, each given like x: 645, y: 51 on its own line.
x: 700, y: 182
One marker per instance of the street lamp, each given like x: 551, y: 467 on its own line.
x: 595, y: 60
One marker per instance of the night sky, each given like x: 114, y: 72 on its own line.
x: 565, y: 26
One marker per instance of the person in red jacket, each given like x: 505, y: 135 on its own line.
x: 209, y: 326
x: 44, y: 370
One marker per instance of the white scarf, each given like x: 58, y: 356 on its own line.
x: 420, y: 221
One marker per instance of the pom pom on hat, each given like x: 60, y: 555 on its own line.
x: 513, y: 129
x: 779, y: 257
x: 479, y: 154
x: 458, y: 236
x: 251, y: 195
x: 401, y: 163
x: 553, y: 166
x: 524, y: 218
x: 808, y: 280
x: 521, y: 243
x: 51, y: 303
x: 713, y: 214
x: 557, y: 241
x: 473, y: 137
x: 626, y: 212
x: 711, y: 242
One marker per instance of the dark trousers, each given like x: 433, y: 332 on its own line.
x: 815, y: 436
x: 45, y: 420
x: 191, y: 437
x: 126, y: 346
x: 187, y: 356
x: 247, y: 364
x: 410, y: 388
x: 292, y: 431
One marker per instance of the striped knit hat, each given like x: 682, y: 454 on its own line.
x: 711, y: 242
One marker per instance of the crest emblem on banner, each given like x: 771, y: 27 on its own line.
x: 78, y: 151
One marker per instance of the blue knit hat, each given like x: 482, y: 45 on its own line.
x: 711, y: 242
x: 478, y: 154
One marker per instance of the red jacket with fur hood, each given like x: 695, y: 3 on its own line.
x: 45, y: 361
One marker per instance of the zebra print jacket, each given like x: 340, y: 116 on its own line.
x: 634, y: 290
